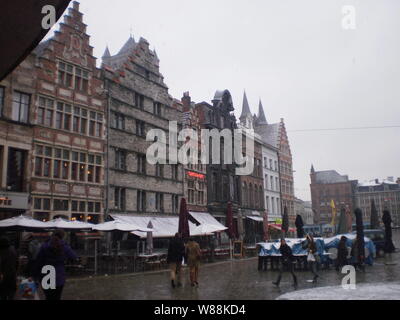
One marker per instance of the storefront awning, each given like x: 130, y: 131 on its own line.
x: 167, y: 227
x: 258, y: 219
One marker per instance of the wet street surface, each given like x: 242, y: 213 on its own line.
x: 231, y: 280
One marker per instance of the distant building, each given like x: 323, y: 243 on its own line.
x: 304, y: 209
x: 275, y: 136
x: 327, y: 186
x: 385, y: 193
x: 195, y: 179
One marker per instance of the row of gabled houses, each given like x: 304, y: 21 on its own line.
x: 73, y: 140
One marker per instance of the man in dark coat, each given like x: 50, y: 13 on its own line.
x: 176, y: 251
x: 8, y: 270
x: 387, y: 221
x: 287, y: 260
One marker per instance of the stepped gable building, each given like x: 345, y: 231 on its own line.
x: 275, y: 135
x: 327, y: 186
x: 195, y: 182
x: 252, y: 186
x: 68, y: 113
x: 139, y: 102
x: 223, y: 185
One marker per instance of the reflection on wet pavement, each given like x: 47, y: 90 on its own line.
x: 231, y: 280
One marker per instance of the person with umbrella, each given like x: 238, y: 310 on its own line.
x: 287, y: 260
x: 176, y: 251
x: 285, y: 222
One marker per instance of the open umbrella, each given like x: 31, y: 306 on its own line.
x: 149, y: 239
x: 285, y: 222
x: 299, y: 226
x: 183, y: 228
x: 229, y: 222
x: 265, y: 226
x: 374, y: 216
x: 387, y: 221
x: 349, y: 220
x: 342, y: 228
x: 360, y: 234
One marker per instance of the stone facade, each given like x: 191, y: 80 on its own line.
x: 16, y: 132
x: 385, y: 193
x: 327, y: 186
x: 139, y: 102
x: 223, y: 185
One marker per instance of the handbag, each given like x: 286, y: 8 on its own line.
x: 310, y: 257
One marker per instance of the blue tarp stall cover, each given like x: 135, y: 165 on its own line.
x: 323, y: 247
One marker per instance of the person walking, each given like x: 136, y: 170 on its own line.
x: 312, y: 256
x: 286, y: 262
x: 193, y: 253
x: 176, y: 251
x: 54, y: 252
x: 356, y: 256
x: 8, y: 270
x: 342, y: 254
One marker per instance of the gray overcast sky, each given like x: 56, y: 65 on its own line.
x: 293, y: 54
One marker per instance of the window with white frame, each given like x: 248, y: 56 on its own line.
x: 20, y: 107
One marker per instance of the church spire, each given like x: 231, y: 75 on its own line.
x: 261, y: 115
x: 246, y: 108
x: 107, y: 53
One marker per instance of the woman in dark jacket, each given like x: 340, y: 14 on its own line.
x: 342, y: 254
x: 8, y: 270
x: 286, y: 262
x: 54, y: 253
x: 312, y: 256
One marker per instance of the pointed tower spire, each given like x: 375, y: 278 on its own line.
x: 246, y: 108
x: 107, y: 53
x: 261, y: 115
x: 128, y: 46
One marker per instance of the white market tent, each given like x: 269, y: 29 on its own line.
x: 69, y: 225
x: 167, y: 227
x: 23, y: 222
x: 120, y: 226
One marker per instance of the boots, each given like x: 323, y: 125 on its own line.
x: 276, y: 283
x: 294, y: 281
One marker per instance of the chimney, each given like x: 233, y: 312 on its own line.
x: 377, y: 181
x: 186, y: 101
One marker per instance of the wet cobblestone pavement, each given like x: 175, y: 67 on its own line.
x: 231, y: 280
